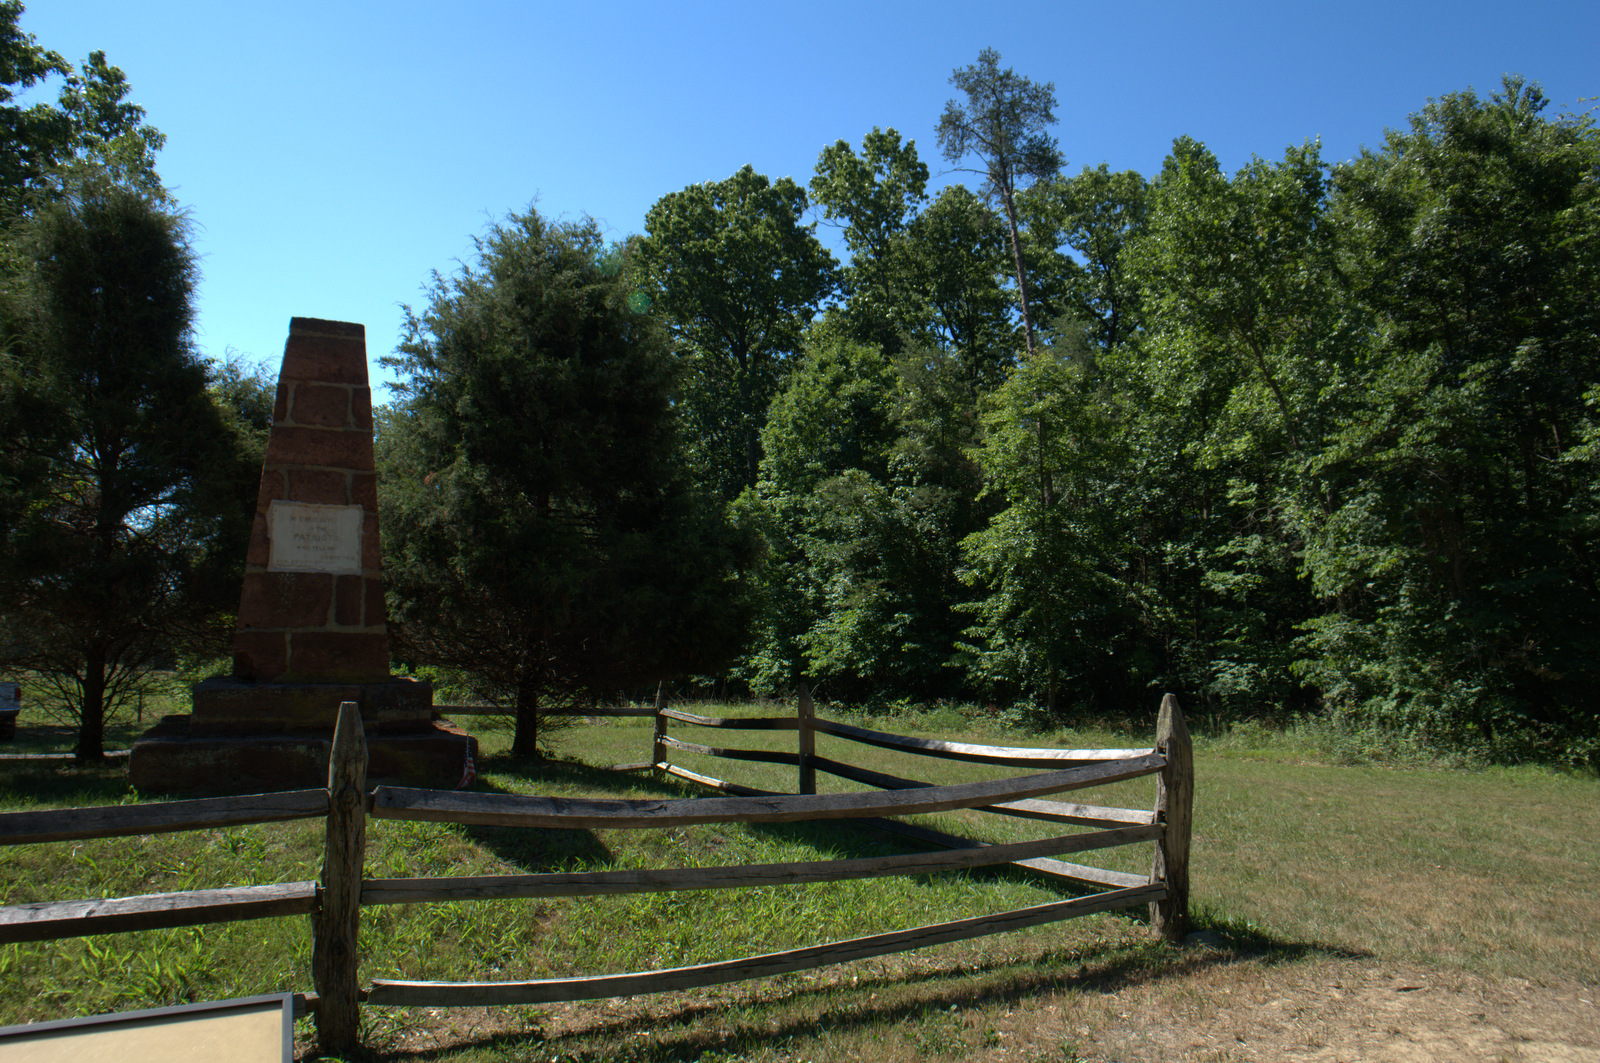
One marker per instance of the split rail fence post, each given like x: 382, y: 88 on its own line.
x: 807, y: 739
x: 1174, y: 807
x: 658, y: 750
x: 335, y: 951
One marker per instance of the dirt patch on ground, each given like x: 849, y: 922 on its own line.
x: 1216, y: 1006
x: 1354, y: 1011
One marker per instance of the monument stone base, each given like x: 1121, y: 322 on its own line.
x: 246, y: 737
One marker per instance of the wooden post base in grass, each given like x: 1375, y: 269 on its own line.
x: 335, y: 951
x: 1169, y: 916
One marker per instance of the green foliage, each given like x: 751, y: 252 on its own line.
x: 1005, y: 122
x: 1049, y: 615
x: 1241, y: 369
x: 864, y: 495
x: 736, y: 276
x: 875, y: 197
x: 954, y: 259
x: 1095, y: 215
x: 128, y: 490
x: 831, y: 418
x: 1462, y: 554
x: 540, y: 532
x: 861, y: 502
x: 1309, y: 439
x: 92, y: 125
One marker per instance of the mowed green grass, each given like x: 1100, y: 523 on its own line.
x: 1491, y: 872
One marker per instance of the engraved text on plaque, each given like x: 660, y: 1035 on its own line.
x: 307, y: 538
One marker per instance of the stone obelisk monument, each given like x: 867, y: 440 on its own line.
x: 311, y: 631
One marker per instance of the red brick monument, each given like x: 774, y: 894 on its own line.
x: 311, y: 630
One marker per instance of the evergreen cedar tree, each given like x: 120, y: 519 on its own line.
x: 126, y: 487
x: 541, y: 534
x: 128, y: 473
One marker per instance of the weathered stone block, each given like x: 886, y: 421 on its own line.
x: 260, y: 549
x: 337, y: 656
x: 334, y: 359
x: 321, y: 487
x: 259, y: 655
x: 168, y: 759
x: 348, y: 594
x: 297, y: 445
x: 285, y: 600
x: 371, y: 545
x: 224, y: 705
x: 377, y: 611
x: 272, y: 488
x: 321, y: 404
x: 364, y: 490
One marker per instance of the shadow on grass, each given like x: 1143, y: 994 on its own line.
x: 776, y: 1017
x: 831, y: 839
x: 63, y: 783
x: 541, y: 850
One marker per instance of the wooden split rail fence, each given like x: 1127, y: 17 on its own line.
x: 335, y: 902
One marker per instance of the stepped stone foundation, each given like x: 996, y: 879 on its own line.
x: 312, y: 629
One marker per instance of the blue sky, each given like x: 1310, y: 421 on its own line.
x: 333, y: 154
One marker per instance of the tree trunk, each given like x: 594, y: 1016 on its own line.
x: 91, y: 745
x: 525, y: 740
x: 1016, y: 256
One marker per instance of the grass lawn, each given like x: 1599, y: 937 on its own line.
x: 1311, y: 873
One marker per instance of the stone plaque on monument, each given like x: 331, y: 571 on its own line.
x: 312, y: 629
x: 308, y: 538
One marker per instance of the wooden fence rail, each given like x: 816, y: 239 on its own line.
x: 334, y: 902
x: 53, y: 920
x: 517, y: 810
x: 600, y: 711
x: 550, y: 990
x: 1171, y: 813
x: 1004, y: 756
x: 114, y: 821
x: 658, y: 880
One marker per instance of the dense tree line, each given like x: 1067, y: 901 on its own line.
x: 1303, y: 438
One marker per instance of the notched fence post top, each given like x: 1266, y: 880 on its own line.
x: 347, y: 759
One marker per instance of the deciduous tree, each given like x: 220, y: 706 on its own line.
x: 954, y: 260
x: 1095, y: 214
x: 736, y: 274
x: 1465, y: 548
x: 874, y: 196
x: 91, y: 123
